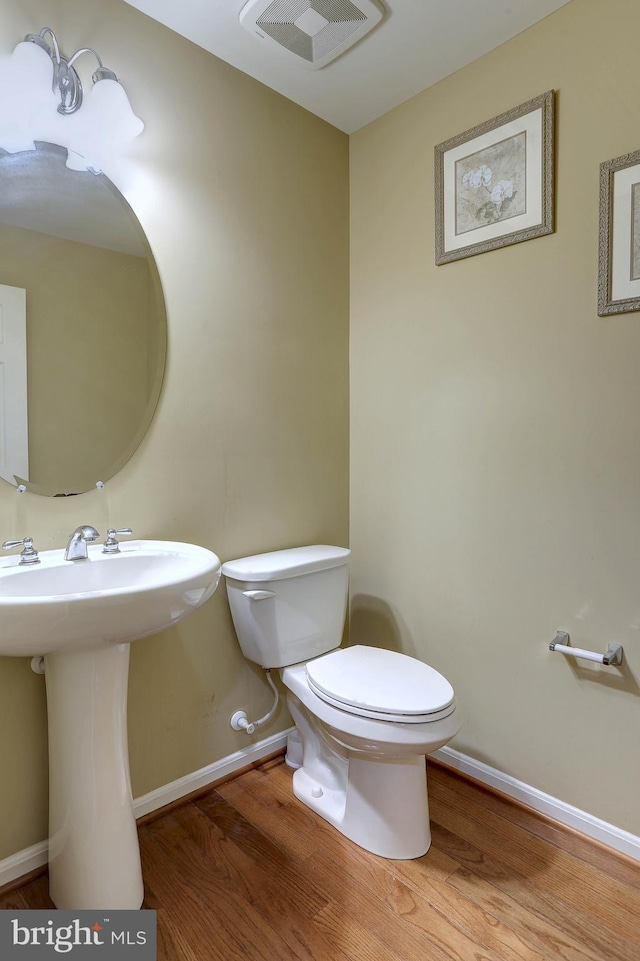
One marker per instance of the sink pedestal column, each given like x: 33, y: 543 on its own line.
x: 94, y: 858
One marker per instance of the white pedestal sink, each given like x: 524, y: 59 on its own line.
x: 81, y: 616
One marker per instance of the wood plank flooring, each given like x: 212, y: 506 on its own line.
x: 245, y: 872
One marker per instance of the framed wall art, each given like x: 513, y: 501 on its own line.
x: 495, y: 183
x: 619, y: 236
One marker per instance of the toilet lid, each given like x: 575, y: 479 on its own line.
x: 384, y: 682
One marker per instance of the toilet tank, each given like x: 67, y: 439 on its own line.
x: 288, y: 606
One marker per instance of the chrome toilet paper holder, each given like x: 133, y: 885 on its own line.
x: 612, y: 657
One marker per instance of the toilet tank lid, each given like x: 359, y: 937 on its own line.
x: 277, y: 565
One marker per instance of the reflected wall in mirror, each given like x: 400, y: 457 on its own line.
x: 74, y: 254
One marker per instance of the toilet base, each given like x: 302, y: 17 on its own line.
x: 365, y: 776
x: 381, y: 805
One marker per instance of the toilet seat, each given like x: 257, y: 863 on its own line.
x: 380, y: 684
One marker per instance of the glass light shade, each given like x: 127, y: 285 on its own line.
x: 27, y: 97
x: 75, y: 161
x: 95, y: 136
x: 102, y: 129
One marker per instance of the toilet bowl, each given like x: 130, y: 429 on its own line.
x: 367, y: 717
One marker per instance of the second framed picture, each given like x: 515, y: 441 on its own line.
x: 495, y: 183
x: 619, y: 241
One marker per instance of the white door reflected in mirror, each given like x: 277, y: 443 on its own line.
x: 14, y: 430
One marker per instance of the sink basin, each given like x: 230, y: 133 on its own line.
x: 79, y: 616
x: 60, y: 605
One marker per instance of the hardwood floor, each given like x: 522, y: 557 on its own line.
x: 247, y: 873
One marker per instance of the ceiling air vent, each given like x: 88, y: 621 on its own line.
x: 314, y: 31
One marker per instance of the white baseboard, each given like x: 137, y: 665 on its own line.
x: 209, y: 774
x: 551, y: 807
x: 27, y: 860
x: 23, y: 862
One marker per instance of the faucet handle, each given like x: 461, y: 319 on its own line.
x: 29, y: 554
x: 111, y: 545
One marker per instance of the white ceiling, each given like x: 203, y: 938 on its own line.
x: 417, y: 43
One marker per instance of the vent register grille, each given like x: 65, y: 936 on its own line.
x: 314, y: 32
x: 312, y: 29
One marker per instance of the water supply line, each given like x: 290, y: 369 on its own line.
x: 239, y: 720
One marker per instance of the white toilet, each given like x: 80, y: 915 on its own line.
x: 366, y: 716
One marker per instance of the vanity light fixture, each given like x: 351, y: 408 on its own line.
x: 48, y: 104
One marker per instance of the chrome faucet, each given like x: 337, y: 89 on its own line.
x: 77, y: 546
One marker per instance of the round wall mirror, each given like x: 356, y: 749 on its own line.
x: 83, y: 330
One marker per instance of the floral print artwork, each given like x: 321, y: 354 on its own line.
x: 635, y: 232
x: 490, y: 185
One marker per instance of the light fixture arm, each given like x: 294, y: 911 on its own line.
x: 102, y: 73
x: 66, y: 83
x: 38, y: 38
x: 82, y: 50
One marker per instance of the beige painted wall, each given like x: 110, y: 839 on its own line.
x: 95, y: 302
x: 495, y: 440
x: 244, y: 199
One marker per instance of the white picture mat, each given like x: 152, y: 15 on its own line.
x: 622, y: 286
x: 531, y: 124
